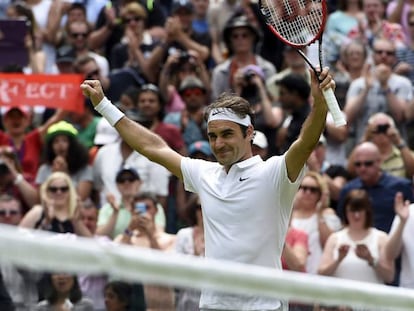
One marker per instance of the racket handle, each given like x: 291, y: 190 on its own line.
x: 333, y: 107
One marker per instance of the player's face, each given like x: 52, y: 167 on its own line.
x: 228, y: 143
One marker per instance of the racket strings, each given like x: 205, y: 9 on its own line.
x: 298, y: 22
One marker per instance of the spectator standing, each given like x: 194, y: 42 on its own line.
x: 374, y: 26
x: 115, y: 215
x: 380, y: 185
x: 62, y: 292
x: 177, y: 67
x: 357, y: 251
x: 397, y: 12
x: 65, y: 153
x: 115, y: 83
x: 312, y: 214
x: 19, y: 282
x: 181, y: 37
x: 218, y: 15
x: 12, y: 180
x: 294, y: 92
x: 78, y: 39
x: 379, y: 90
x: 151, y: 108
x: 339, y: 24
x: 200, y: 23
x: 58, y: 211
x: 109, y: 29
x: 190, y: 120
x: 143, y: 232
x: 400, y: 241
x: 190, y: 241
x: 26, y: 144
x: 92, y: 286
x: 136, y: 45
x: 118, y: 296
x: 241, y: 38
x: 396, y: 158
x: 154, y: 177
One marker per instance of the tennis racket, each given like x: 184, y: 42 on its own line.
x: 299, y: 23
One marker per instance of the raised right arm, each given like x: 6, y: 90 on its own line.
x: 138, y: 137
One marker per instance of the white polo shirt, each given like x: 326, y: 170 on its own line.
x: 246, y: 215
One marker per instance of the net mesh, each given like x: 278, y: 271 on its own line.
x: 41, y: 250
x: 298, y: 22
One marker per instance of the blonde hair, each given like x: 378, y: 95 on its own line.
x: 134, y: 8
x: 323, y: 185
x: 72, y: 191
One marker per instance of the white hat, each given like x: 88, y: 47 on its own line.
x: 260, y: 140
x: 105, y: 133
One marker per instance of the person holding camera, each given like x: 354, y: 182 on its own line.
x: 397, y: 158
x: 250, y: 84
x: 179, y: 65
x: 241, y: 39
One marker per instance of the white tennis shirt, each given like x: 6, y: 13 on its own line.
x: 246, y: 215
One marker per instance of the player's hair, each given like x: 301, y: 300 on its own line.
x: 239, y: 105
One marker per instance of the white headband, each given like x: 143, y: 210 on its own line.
x: 228, y: 115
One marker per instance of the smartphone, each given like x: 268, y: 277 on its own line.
x: 140, y: 207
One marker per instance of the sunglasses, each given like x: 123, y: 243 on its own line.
x: 4, y: 213
x: 123, y: 180
x: 364, y: 163
x: 389, y: 53
x: 79, y: 34
x: 310, y: 189
x: 53, y: 189
x: 193, y: 91
x: 127, y: 20
x: 92, y: 74
x: 243, y: 35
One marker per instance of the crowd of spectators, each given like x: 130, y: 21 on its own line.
x: 161, y: 62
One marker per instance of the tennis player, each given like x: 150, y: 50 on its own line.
x: 246, y: 201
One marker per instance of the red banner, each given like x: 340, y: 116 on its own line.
x: 53, y: 91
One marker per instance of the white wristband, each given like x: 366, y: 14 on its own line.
x: 19, y: 178
x: 109, y: 111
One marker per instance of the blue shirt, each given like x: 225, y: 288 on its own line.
x: 382, y: 195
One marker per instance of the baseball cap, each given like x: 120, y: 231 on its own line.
x: 199, y: 146
x: 65, y: 54
x: 61, y: 128
x: 191, y: 82
x: 260, y: 140
x: 23, y: 109
x: 182, y: 4
x: 256, y: 69
x: 127, y: 170
x: 105, y: 133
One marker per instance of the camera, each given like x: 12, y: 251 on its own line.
x: 183, y: 56
x: 141, y: 207
x: 248, y: 75
x: 382, y: 128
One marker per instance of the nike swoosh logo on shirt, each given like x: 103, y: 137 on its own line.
x: 243, y: 179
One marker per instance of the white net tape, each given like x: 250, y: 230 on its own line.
x: 45, y: 251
